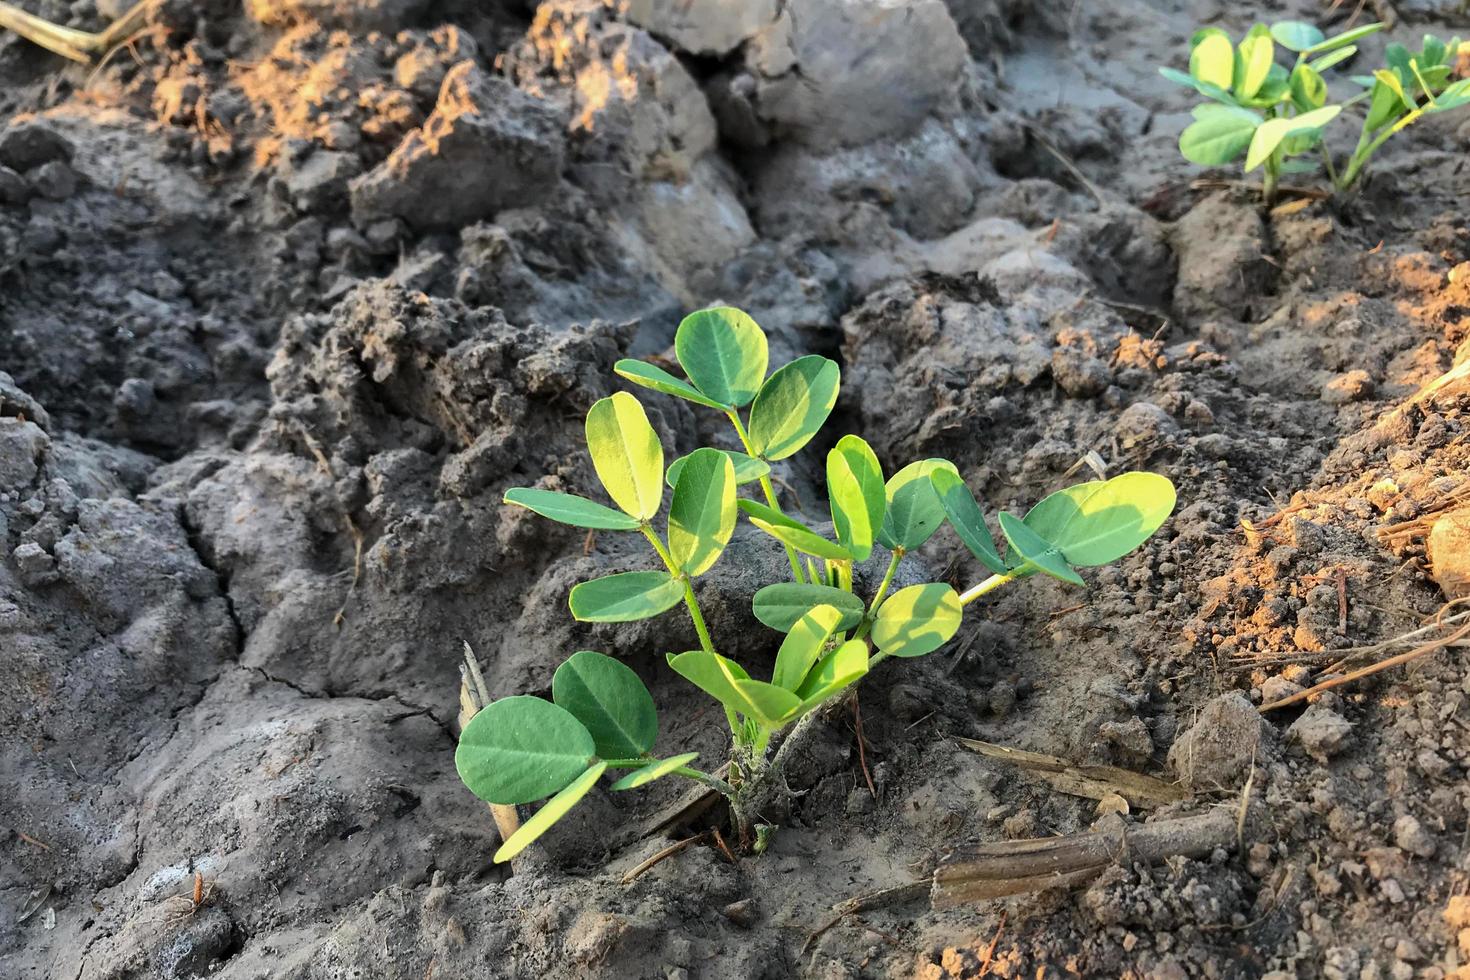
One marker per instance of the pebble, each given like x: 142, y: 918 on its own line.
x: 743, y: 913
x: 1320, y: 732
x: 1410, y: 834
x: 54, y: 180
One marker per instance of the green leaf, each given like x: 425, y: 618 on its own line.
x: 657, y: 770
x: 792, y: 405
x: 608, y: 698
x: 856, y: 494
x: 1308, y: 90
x: 781, y: 605
x: 748, y: 469
x: 1394, y: 83
x: 1099, y: 522
x: 1035, y: 553
x: 835, y: 671
x: 554, y: 810
x: 967, y: 518
x: 626, y: 454
x: 1203, y: 88
x: 702, y: 516
x: 1344, y: 39
x: 917, y: 620
x: 1216, y: 139
x: 1333, y: 58
x: 1453, y: 97
x: 1270, y: 133
x: 1397, y: 57
x: 792, y: 532
x: 567, y: 508
x: 724, y: 353
x: 1256, y: 54
x: 1213, y: 60
x: 521, y: 749
x: 1433, y: 52
x: 803, y: 646
x: 1383, y: 108
x: 656, y: 378
x: 914, y: 510
x: 1295, y: 35
x: 624, y: 597
x: 728, y: 683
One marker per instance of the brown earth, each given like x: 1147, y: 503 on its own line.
x: 290, y: 295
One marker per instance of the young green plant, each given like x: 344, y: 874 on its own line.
x: 1271, y: 113
x: 601, y: 717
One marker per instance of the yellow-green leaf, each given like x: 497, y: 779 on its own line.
x: 554, y: 810
x: 914, y: 511
x: 792, y: 405
x: 702, y: 515
x: 917, y: 620
x: 655, y: 770
x: 856, y: 494
x: 1213, y: 60
x: 626, y: 454
x: 803, y: 646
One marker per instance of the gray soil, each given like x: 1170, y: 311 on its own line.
x: 292, y: 291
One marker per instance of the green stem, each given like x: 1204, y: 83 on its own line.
x: 713, y: 782
x: 658, y: 546
x: 866, y: 626
x: 1362, y: 154
x: 1327, y: 160
x: 705, y: 642
x: 989, y: 585
x: 1272, y: 177
x: 768, y: 489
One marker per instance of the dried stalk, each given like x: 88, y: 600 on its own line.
x: 474, y: 694
x: 1091, y: 782
x: 80, y: 46
x: 1015, y: 867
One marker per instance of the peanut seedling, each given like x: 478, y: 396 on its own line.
x: 1271, y: 114
x: 601, y: 716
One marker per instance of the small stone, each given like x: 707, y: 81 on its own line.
x: 1215, y: 752
x: 743, y: 913
x: 1432, y: 764
x: 1408, y: 951
x: 1278, y: 687
x: 1448, y: 548
x: 27, y: 145
x: 1079, y: 374
x: 1003, y: 698
x: 1350, y: 387
x: 1392, y: 891
x: 1320, y: 732
x: 1457, y: 912
x: 859, y: 801
x: 35, y: 565
x: 135, y: 398
x: 13, y: 187
x: 54, y: 181
x: 1410, y: 834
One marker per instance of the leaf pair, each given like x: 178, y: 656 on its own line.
x: 629, y: 460
x: 1088, y: 524
x: 521, y: 749
x: 725, y: 355
x: 701, y: 521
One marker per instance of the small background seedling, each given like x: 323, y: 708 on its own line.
x: 1273, y: 114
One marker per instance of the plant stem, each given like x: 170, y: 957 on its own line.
x: 989, y: 585
x: 1269, y: 181
x: 713, y: 782
x: 898, y: 554
x: 705, y: 642
x: 658, y: 546
x: 768, y: 489
x: 1327, y: 160
x: 689, y: 772
x: 1364, y: 152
